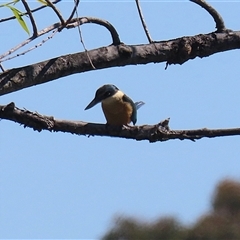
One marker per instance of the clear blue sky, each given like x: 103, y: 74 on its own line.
x: 57, y: 185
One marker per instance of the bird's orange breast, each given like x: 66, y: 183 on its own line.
x: 116, y: 111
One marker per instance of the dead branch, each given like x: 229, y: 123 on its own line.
x: 81, y: 38
x: 216, y: 16
x: 152, y: 133
x: 176, y: 51
x: 143, y: 22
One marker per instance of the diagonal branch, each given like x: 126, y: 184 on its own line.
x: 152, y: 133
x: 216, y: 16
x: 175, y: 51
x: 73, y: 11
x: 27, y: 41
x: 51, y: 5
x: 143, y: 22
x: 1, y: 67
x: 35, y: 33
x: 34, y: 47
x: 80, y: 33
x: 73, y: 23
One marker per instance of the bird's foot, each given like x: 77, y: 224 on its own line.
x: 126, y: 127
x: 118, y: 127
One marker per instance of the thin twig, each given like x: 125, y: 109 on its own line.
x: 40, y: 33
x: 143, y: 22
x: 33, y: 10
x: 34, y: 47
x: 220, y: 26
x: 34, y: 26
x: 50, y: 4
x: 76, y: 2
x: 73, y: 23
x: 2, y: 68
x: 81, y: 39
x: 73, y: 11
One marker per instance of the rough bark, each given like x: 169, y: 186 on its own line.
x: 176, y: 51
x: 152, y: 133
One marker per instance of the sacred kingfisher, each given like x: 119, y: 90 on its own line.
x: 117, y: 107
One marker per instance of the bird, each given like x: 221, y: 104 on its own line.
x: 117, y: 107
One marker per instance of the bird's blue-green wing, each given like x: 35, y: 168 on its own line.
x: 134, y: 112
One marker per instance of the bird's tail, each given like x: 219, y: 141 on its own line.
x: 139, y: 104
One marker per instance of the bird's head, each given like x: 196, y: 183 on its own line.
x: 102, y: 93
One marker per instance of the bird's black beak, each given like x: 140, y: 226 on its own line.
x: 92, y: 104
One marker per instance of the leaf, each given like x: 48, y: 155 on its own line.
x: 18, y: 15
x: 6, y: 4
x: 42, y: 2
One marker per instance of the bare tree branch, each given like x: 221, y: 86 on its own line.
x: 152, y: 133
x: 115, y: 37
x: 216, y: 16
x: 73, y: 11
x: 81, y: 37
x: 40, y: 33
x: 1, y: 67
x: 51, y: 5
x: 31, y: 18
x: 176, y: 51
x: 143, y: 22
x: 34, y: 47
x: 33, y: 10
x: 73, y: 23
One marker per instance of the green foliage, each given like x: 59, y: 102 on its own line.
x: 6, y: 4
x: 221, y: 224
x: 17, y: 13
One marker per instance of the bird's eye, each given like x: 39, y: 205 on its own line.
x: 106, y: 94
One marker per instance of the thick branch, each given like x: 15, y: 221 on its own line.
x: 175, y: 51
x: 152, y: 133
